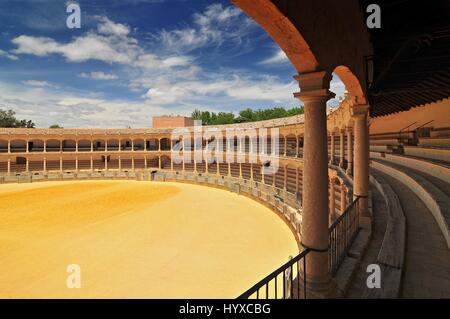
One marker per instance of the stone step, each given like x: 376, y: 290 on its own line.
x: 437, y: 201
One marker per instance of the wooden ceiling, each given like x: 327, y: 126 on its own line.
x: 411, y: 60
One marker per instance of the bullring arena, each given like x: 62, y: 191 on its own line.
x: 141, y: 225
x: 299, y: 207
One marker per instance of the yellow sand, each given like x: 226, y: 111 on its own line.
x: 135, y: 240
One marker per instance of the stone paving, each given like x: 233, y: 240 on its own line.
x: 357, y: 286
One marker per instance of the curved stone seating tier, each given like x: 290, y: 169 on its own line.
x: 440, y: 132
x: 441, y: 142
x: 428, y: 153
x: 389, y: 141
x: 392, y: 252
x: 434, y: 198
x: 437, y: 169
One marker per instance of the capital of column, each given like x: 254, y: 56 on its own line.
x: 349, y: 129
x: 359, y: 111
x: 314, y: 86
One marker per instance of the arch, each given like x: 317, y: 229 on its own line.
x: 84, y: 145
x: 152, y: 144
x: 36, y: 145
x: 3, y: 146
x: 113, y: 145
x: 125, y: 144
x: 352, y: 84
x: 52, y: 145
x: 69, y: 145
x: 165, y: 144
x: 282, y: 31
x: 138, y: 144
x: 99, y: 145
x: 18, y: 146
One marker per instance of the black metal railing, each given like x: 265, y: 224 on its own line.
x: 287, y: 282
x: 342, y: 233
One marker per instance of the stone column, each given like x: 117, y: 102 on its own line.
x: 332, y: 201
x: 106, y: 145
x: 361, y: 164
x: 45, y: 146
x: 106, y: 162
x: 92, y: 145
x: 45, y: 165
x: 27, y: 165
x: 27, y: 148
x: 76, y: 146
x: 217, y: 168
x: 331, y: 148
x: 92, y: 164
x: 120, y: 164
x: 132, y: 163
x: 60, y: 165
x: 159, y: 162
x: 343, y: 197
x: 9, y: 146
x: 120, y: 145
x: 341, y: 148
x: 285, y: 146
x: 9, y: 166
x: 251, y: 172
x: 132, y: 145
x: 285, y: 178
x: 296, y: 146
x: 76, y: 163
x: 314, y: 94
x: 349, y: 151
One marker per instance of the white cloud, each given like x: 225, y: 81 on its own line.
x: 111, y: 44
x: 8, y: 55
x: 277, y: 58
x: 211, y: 27
x: 41, y: 84
x: 109, y: 27
x: 99, y: 76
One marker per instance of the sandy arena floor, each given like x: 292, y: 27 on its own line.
x: 135, y: 240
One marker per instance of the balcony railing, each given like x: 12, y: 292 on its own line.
x: 342, y: 233
x: 283, y: 283
x: 289, y: 281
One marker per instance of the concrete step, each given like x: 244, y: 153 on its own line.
x: 428, y: 153
x: 435, y: 199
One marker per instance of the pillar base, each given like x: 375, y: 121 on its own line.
x: 365, y: 222
x: 319, y: 290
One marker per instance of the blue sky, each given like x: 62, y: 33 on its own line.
x: 133, y: 59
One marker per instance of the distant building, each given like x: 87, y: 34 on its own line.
x: 172, y: 121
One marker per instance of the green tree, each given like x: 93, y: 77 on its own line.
x: 55, y: 126
x: 8, y: 119
x: 246, y: 115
